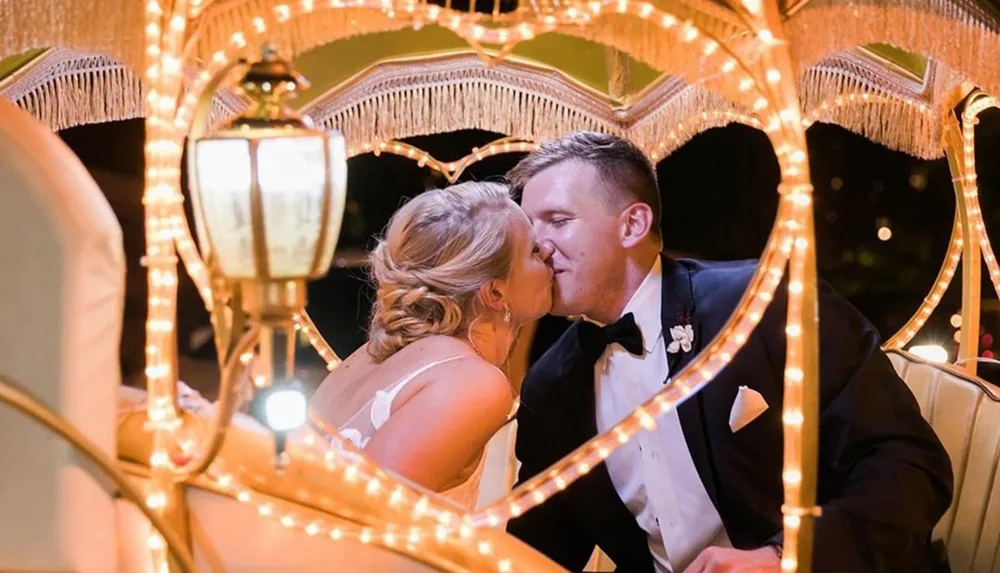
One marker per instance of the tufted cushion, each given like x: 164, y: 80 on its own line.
x: 965, y: 413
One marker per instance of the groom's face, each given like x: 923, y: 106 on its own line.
x: 568, y: 208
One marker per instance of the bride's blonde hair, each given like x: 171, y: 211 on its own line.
x: 438, y: 250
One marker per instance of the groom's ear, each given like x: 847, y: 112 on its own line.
x: 635, y: 224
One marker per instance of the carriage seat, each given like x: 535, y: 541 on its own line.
x: 965, y: 413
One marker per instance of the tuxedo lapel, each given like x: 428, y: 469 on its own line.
x: 584, y: 400
x: 678, y: 309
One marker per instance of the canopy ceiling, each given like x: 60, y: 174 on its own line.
x: 580, y: 60
x: 614, y: 89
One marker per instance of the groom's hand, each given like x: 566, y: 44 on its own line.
x: 724, y: 560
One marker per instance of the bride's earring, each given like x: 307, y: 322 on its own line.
x: 506, y: 314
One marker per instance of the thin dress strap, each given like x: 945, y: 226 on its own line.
x: 398, y: 386
x: 360, y: 428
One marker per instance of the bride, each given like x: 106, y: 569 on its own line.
x: 457, y: 273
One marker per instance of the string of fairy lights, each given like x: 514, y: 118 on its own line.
x: 643, y: 417
x: 941, y: 283
x: 969, y: 200
x: 452, y: 171
x: 168, y: 236
x: 970, y: 117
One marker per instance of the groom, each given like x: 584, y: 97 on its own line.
x: 703, y: 491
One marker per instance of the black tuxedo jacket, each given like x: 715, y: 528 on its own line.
x: 884, y: 478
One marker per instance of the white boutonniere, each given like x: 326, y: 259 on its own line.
x: 683, y: 336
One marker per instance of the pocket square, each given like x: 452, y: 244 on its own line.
x: 748, y: 405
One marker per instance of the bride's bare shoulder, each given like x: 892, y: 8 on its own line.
x: 471, y: 381
x: 476, y: 386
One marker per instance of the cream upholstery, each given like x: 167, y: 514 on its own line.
x: 230, y: 537
x: 965, y: 413
x: 62, y: 288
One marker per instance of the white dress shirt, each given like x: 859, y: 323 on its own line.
x: 654, y: 473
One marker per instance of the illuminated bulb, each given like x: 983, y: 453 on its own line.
x: 956, y: 320
x: 792, y: 476
x: 884, y: 233
x: 793, y: 418
x: 420, y: 508
x: 285, y: 410
x: 157, y: 500
x: 930, y: 352
x: 159, y: 459
x: 155, y: 542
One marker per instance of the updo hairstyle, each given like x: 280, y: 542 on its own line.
x: 438, y: 250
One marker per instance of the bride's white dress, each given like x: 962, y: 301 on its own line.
x: 363, y: 425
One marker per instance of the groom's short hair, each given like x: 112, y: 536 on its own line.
x: 621, y: 165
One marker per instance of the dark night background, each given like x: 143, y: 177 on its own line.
x: 719, y: 201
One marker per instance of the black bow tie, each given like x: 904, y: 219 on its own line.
x: 594, y: 339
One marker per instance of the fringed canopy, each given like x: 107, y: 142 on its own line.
x: 379, y: 76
